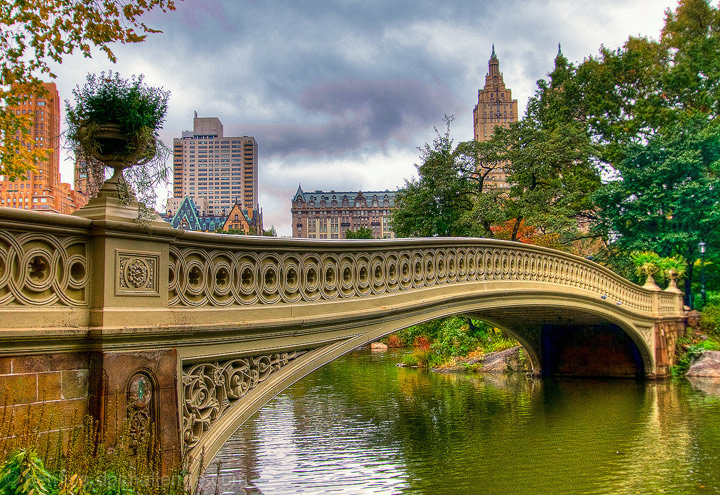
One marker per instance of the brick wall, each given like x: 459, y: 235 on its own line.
x: 42, y: 394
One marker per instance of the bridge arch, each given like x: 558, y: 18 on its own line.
x: 499, y: 309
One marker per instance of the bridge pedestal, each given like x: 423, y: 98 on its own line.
x: 667, y: 334
x: 134, y: 396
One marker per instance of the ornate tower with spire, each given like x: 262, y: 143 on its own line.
x: 495, y: 103
x: 495, y: 107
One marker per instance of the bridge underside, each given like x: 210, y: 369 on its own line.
x: 573, y: 343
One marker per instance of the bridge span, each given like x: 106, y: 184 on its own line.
x: 185, y: 335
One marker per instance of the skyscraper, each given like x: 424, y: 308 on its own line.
x: 41, y: 189
x: 495, y: 107
x: 222, y: 170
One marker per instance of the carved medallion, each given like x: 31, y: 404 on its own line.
x: 136, y: 273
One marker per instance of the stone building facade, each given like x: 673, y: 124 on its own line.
x: 328, y: 214
x: 41, y: 189
x: 222, y: 170
x: 495, y: 107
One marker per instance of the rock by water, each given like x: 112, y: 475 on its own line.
x: 505, y: 361
x: 707, y: 365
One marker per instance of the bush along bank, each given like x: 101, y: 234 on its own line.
x: 459, y: 344
x: 699, y: 353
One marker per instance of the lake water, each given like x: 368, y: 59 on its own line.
x: 363, y: 425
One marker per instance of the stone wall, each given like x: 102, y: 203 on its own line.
x: 667, y: 333
x: 43, y: 395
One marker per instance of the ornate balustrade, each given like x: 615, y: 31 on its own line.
x: 213, y: 271
x: 43, y: 260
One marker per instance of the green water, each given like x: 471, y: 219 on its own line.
x: 363, y: 425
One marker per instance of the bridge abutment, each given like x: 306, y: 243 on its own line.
x: 134, y: 397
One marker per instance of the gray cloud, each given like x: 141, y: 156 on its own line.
x: 339, y: 93
x: 353, y: 115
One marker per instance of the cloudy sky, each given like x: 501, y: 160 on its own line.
x: 340, y: 94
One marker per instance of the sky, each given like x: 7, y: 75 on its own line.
x: 340, y: 94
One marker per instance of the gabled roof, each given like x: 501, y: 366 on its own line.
x: 188, y: 212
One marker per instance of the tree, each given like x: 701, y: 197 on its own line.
x: 36, y: 33
x: 548, y: 159
x: 551, y: 177
x: 360, y: 233
x: 449, y: 197
x: 667, y: 198
x: 650, y: 106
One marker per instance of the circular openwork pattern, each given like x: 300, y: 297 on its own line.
x: 222, y: 277
x: 42, y: 269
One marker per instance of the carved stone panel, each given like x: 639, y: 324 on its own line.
x: 209, y: 389
x: 136, y: 273
x: 139, y: 410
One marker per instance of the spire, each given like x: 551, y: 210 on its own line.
x: 560, y: 53
x: 299, y: 193
x: 493, y: 64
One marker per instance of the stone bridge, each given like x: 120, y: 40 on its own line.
x: 187, y: 334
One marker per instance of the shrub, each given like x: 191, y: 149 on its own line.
x: 421, y: 342
x: 24, y: 473
x: 454, y: 339
x: 418, y: 357
x: 710, y: 319
x: 394, y: 340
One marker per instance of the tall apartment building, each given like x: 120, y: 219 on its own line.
x: 222, y: 170
x: 328, y: 214
x: 41, y: 189
x: 495, y: 107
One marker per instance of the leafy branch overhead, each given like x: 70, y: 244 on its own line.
x: 37, y: 33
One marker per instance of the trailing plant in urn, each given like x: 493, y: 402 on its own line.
x: 114, y: 122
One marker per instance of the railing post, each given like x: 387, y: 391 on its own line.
x: 129, y: 290
x: 655, y: 297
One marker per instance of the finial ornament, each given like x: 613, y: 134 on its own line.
x: 493, y: 52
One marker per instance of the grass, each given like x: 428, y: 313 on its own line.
x: 77, y: 461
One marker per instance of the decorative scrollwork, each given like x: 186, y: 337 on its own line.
x: 139, y: 410
x: 211, y: 388
x: 235, y: 276
x: 38, y: 269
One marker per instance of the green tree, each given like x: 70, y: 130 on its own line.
x: 551, y: 177
x: 450, y: 196
x: 667, y: 198
x: 36, y: 33
x: 360, y: 233
x: 550, y: 162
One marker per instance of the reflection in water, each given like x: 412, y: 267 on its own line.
x: 362, y: 425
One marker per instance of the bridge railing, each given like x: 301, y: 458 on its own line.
x: 213, y: 270
x: 71, y: 264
